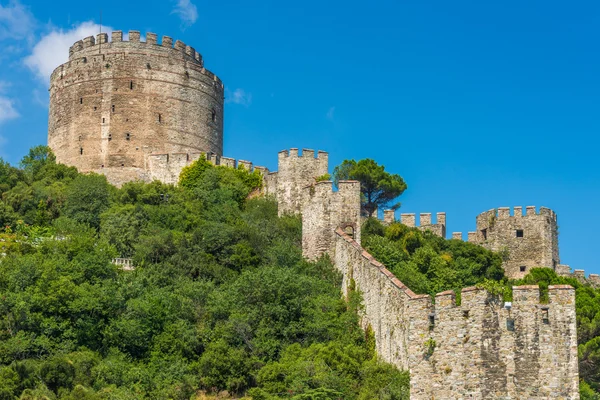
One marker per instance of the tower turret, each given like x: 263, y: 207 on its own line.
x: 114, y: 103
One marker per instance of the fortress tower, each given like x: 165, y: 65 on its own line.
x: 113, y: 104
x: 525, y: 241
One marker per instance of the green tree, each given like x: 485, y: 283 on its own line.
x: 87, y: 197
x: 379, y: 188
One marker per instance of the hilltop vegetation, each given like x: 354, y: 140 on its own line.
x: 220, y: 298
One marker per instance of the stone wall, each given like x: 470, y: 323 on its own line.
x: 295, y: 172
x: 592, y: 279
x: 113, y: 104
x: 526, y: 241
x: 425, y: 222
x: 324, y: 211
x: 167, y: 167
x: 480, y: 349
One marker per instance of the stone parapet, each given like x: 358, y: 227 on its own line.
x: 481, y: 348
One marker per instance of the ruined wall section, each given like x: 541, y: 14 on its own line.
x: 482, y: 349
x: 324, y: 211
x: 526, y: 241
x: 294, y: 173
x: 113, y: 104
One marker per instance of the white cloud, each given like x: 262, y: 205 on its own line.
x: 187, y: 13
x: 330, y: 113
x: 239, y: 96
x: 7, y: 106
x: 53, y: 48
x: 16, y: 22
x: 7, y: 109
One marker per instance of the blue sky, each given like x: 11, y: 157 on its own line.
x: 476, y: 104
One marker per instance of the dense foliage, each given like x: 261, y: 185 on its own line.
x: 429, y: 264
x: 378, y: 188
x: 220, y: 298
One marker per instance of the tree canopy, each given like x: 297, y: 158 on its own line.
x: 378, y: 188
x: 220, y: 299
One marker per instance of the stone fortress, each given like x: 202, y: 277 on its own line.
x: 116, y: 106
x: 139, y: 110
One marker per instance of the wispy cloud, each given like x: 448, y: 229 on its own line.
x: 238, y: 96
x: 187, y: 13
x: 53, y: 48
x: 16, y: 22
x: 330, y: 113
x: 7, y: 105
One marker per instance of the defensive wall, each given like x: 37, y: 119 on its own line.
x: 115, y: 103
x: 481, y: 348
x: 423, y: 222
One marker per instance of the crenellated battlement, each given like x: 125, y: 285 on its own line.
x: 579, y: 274
x: 167, y: 167
x: 423, y: 221
x: 296, y: 171
x: 526, y: 240
x: 306, y: 154
x: 135, y: 42
x: 481, y: 347
x: 502, y: 213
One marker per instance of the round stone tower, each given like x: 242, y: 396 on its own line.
x: 114, y: 104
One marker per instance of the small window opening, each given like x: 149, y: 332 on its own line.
x: 122, y: 165
x: 148, y: 66
x: 113, y: 108
x: 159, y: 118
x: 95, y: 108
x: 522, y: 268
x: 545, y: 316
x: 81, y: 100
x: 102, y: 166
x: 349, y: 231
x: 109, y: 137
x: 431, y: 321
x: 213, y: 115
x: 519, y: 232
x: 510, y: 324
x: 484, y: 233
x: 131, y: 85
x: 80, y: 138
x: 465, y: 313
x: 81, y: 150
x: 127, y: 136
x: 102, y: 120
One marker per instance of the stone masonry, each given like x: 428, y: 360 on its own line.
x: 481, y: 348
x: 525, y: 241
x: 139, y: 110
x: 114, y: 104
